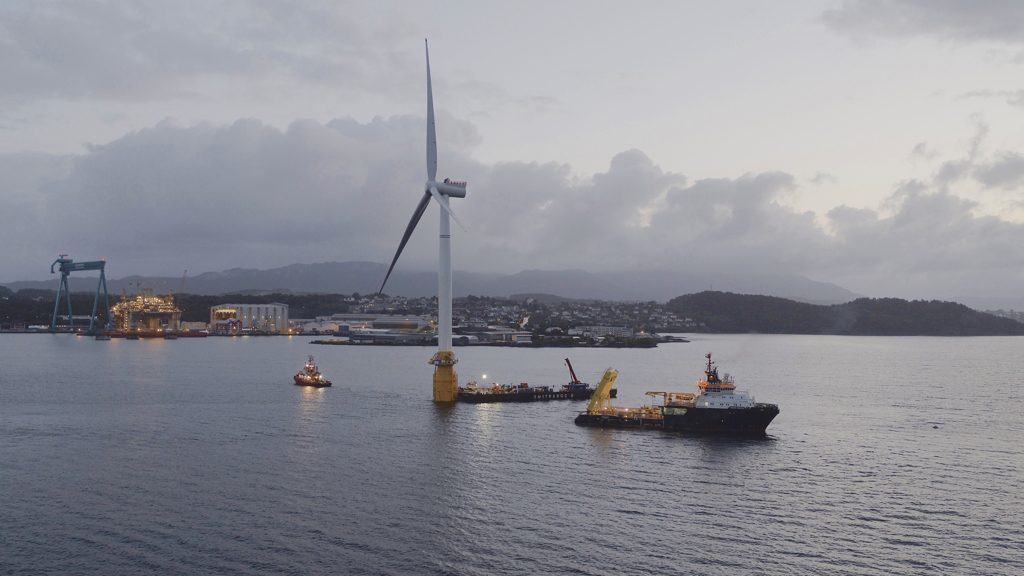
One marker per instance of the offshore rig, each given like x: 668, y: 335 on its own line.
x: 146, y: 315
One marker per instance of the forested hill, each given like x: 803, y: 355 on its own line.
x: 732, y: 313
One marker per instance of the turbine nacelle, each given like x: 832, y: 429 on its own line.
x: 451, y: 188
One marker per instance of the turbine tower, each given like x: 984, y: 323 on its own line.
x: 446, y: 381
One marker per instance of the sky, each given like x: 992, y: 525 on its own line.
x: 876, y: 145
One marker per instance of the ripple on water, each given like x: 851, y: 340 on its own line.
x: 201, y: 457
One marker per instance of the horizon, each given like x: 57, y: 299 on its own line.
x: 403, y: 276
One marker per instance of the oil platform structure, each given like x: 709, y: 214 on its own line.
x: 146, y: 314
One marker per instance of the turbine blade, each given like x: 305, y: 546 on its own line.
x: 420, y: 208
x: 437, y: 196
x: 431, y: 135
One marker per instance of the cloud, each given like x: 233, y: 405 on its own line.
x: 933, y: 246
x: 999, y: 21
x: 1006, y: 171
x: 225, y: 195
x: 1002, y: 170
x: 922, y: 151
x: 210, y: 197
x: 822, y: 178
x: 1014, y: 98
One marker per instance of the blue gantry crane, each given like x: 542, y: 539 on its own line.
x: 67, y: 266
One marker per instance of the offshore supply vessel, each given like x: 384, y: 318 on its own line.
x: 472, y: 393
x: 718, y: 408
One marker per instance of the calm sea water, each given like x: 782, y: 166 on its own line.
x: 890, y: 456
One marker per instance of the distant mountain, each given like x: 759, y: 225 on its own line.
x: 365, y: 277
x: 739, y: 313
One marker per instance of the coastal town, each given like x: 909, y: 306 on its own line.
x: 519, y: 320
x: 366, y: 319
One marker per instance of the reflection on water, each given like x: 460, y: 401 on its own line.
x: 311, y: 401
x: 604, y: 438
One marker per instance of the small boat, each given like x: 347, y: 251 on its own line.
x: 102, y: 336
x: 311, y: 376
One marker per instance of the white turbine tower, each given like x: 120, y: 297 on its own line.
x: 446, y: 382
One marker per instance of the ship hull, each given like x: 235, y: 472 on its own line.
x: 525, y: 395
x: 752, y: 421
x: 300, y: 381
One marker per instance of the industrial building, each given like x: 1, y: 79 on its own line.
x: 357, y: 322
x: 249, y: 318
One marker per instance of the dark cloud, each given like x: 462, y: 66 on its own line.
x: 211, y: 197
x: 224, y: 195
x: 999, y: 21
x: 952, y: 171
x: 1006, y: 171
x: 932, y: 246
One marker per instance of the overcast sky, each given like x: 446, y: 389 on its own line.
x: 878, y: 145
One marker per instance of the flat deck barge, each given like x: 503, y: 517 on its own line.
x: 574, y: 390
x: 520, y: 394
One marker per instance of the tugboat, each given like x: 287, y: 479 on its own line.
x: 311, y: 376
x: 574, y: 390
x: 717, y: 409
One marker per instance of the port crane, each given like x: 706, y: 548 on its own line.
x: 67, y: 266
x: 572, y: 374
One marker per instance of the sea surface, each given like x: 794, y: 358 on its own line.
x: 199, y: 456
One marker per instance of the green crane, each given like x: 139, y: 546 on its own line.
x: 67, y: 266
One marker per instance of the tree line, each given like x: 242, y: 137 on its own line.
x: 726, y: 312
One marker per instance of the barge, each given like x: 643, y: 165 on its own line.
x: 574, y: 390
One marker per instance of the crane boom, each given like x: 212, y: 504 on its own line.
x: 602, y: 394
x: 572, y: 373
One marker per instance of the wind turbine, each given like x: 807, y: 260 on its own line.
x: 446, y: 381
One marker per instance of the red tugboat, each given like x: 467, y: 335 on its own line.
x: 311, y: 376
x: 717, y: 409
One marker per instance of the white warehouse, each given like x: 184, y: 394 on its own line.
x: 239, y: 318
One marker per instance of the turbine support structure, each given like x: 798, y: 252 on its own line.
x: 446, y: 380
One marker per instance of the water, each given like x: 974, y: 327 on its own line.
x: 890, y: 456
